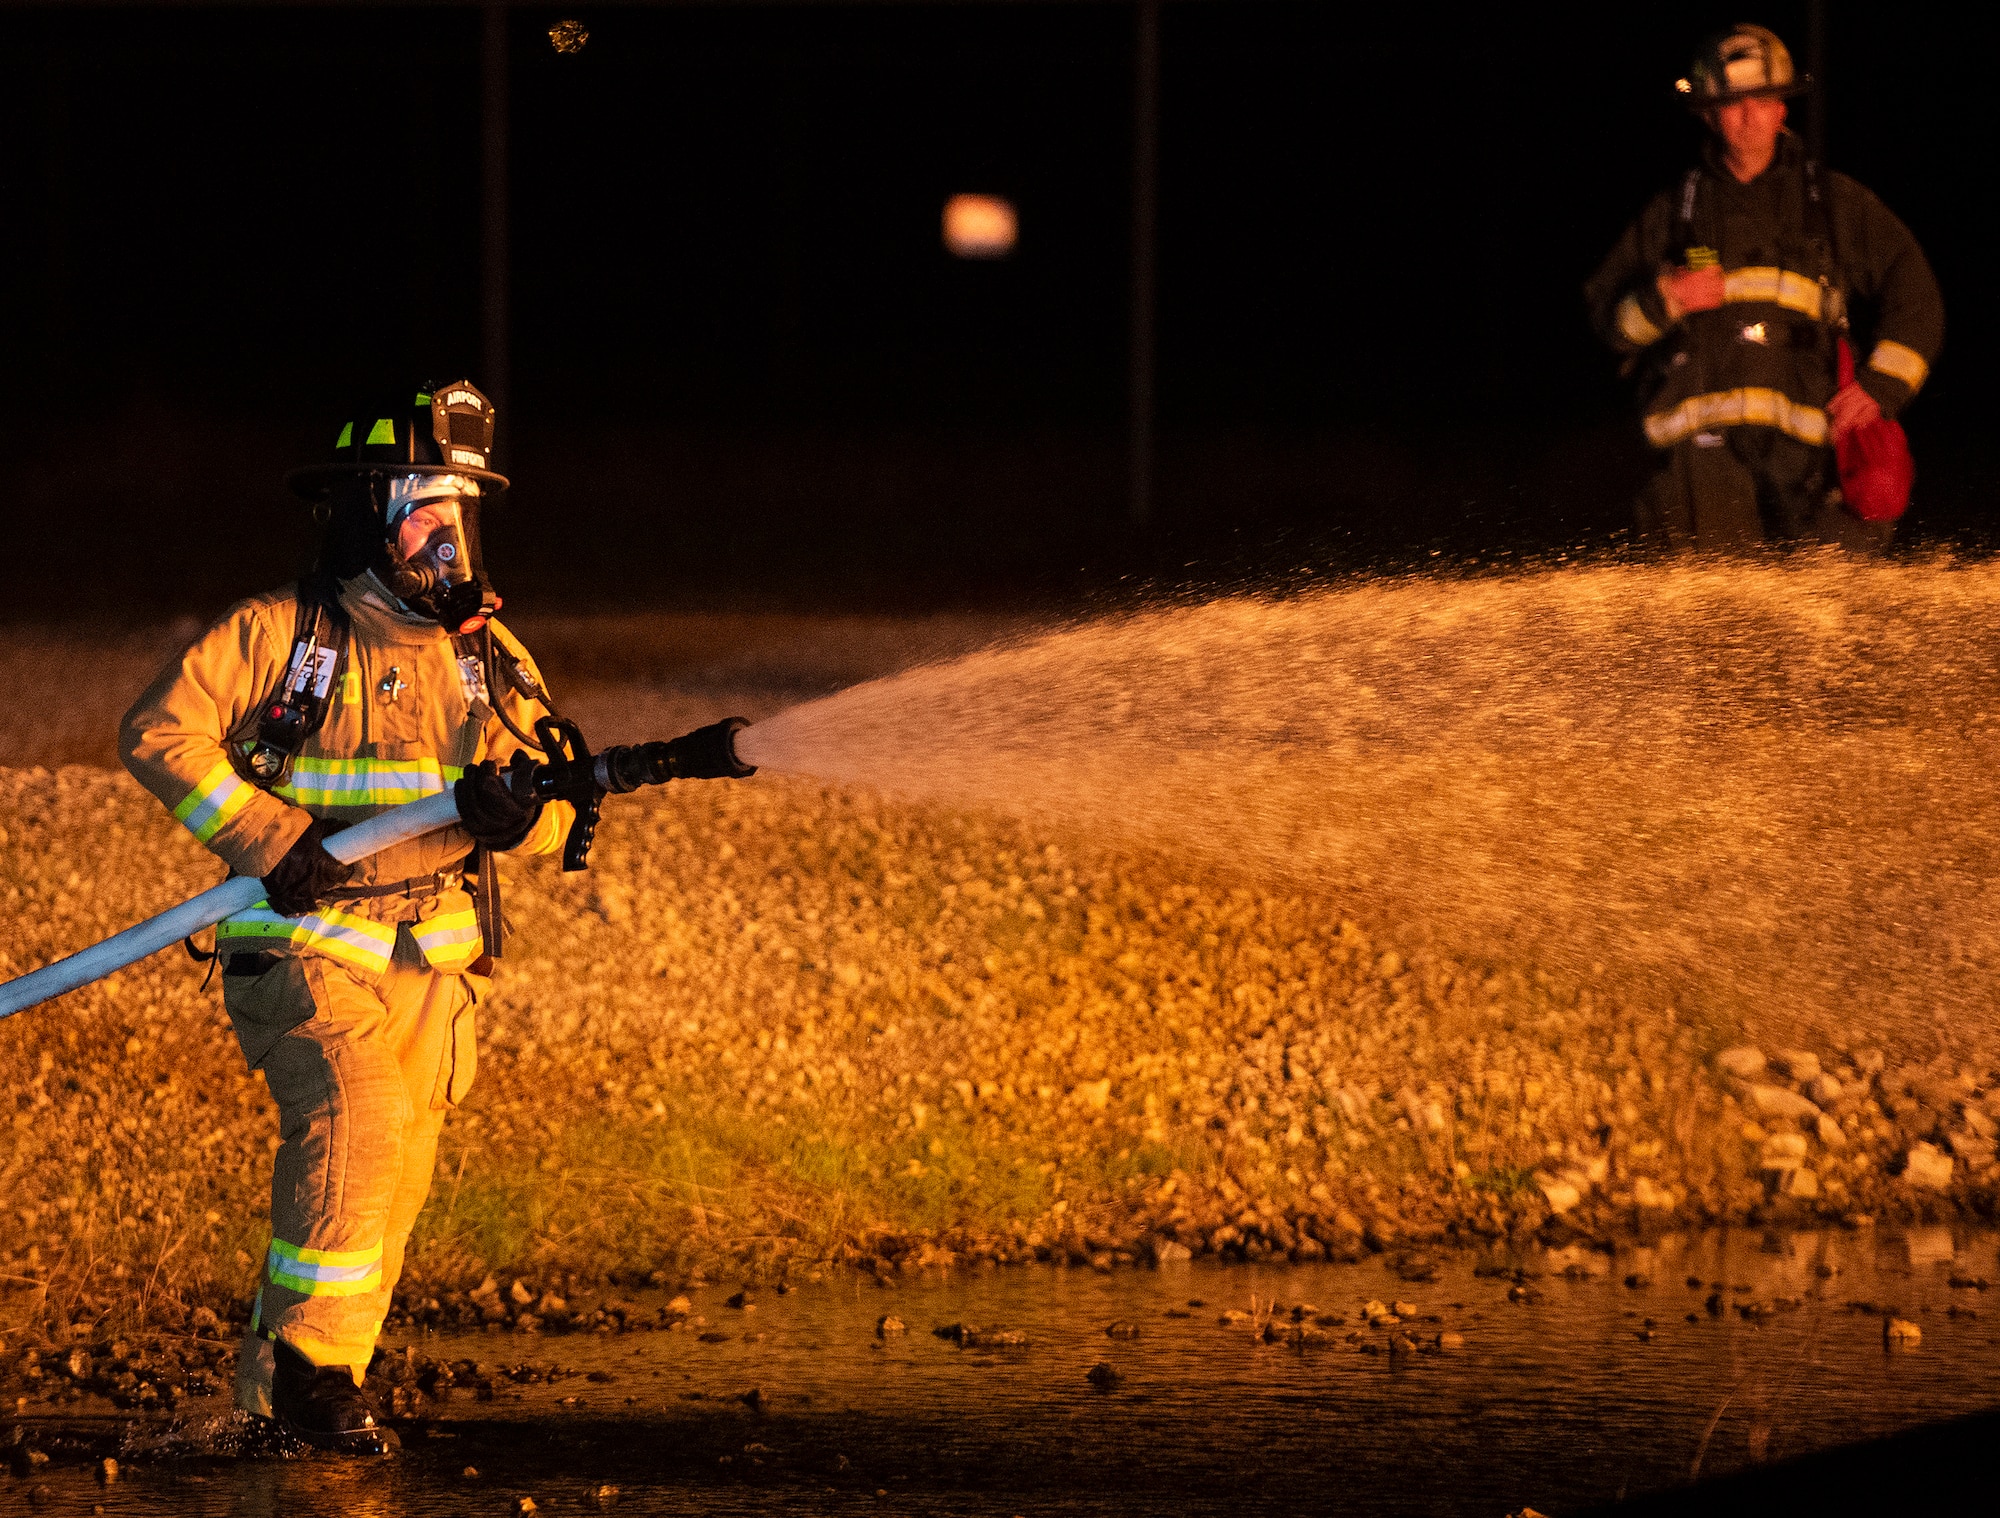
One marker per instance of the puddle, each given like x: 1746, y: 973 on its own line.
x: 1555, y: 1401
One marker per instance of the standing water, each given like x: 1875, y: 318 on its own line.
x: 1766, y: 787
x: 1557, y: 1379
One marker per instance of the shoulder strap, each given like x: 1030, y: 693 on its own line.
x: 1819, y: 207
x: 1689, y: 187
x: 265, y: 745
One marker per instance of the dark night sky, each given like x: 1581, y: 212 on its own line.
x: 737, y: 338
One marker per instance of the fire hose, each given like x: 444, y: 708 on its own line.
x: 568, y: 772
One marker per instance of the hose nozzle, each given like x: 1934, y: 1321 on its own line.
x: 707, y: 753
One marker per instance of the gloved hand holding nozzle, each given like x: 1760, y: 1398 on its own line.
x: 497, y: 814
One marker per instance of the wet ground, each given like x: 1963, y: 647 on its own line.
x: 1557, y: 1379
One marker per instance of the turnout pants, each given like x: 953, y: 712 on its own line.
x: 363, y: 1069
x: 1749, y: 485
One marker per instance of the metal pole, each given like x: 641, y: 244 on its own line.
x: 494, y: 377
x: 1816, y: 66
x: 1145, y: 217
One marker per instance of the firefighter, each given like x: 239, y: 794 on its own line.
x: 1727, y: 296
x: 380, y: 678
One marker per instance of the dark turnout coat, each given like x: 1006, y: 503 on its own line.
x: 1766, y: 358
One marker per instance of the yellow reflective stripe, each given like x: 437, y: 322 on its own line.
x: 324, y: 1272
x: 1899, y: 362
x: 352, y: 940
x: 365, y: 782
x: 210, y: 806
x: 450, y: 940
x: 446, y: 928
x: 1749, y: 407
x: 346, y: 435
x: 1634, y: 325
x: 384, y: 431
x: 1778, y: 287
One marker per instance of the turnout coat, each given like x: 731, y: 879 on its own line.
x: 408, y: 714
x: 1791, y: 268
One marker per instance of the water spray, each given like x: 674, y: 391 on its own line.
x: 569, y: 773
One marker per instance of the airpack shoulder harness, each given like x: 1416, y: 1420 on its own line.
x: 264, y: 747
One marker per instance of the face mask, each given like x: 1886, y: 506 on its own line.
x: 432, y: 550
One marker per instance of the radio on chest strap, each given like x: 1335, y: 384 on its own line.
x: 265, y: 746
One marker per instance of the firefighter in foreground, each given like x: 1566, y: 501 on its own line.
x: 382, y: 677
x: 1727, y: 295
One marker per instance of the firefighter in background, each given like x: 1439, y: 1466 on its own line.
x: 380, y: 678
x: 1727, y: 295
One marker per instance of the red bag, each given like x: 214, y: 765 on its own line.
x: 1876, y: 470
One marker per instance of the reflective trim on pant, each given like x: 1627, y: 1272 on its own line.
x: 324, y: 1272
x: 363, y: 1069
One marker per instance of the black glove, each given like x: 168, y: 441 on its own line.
x: 490, y: 811
x: 307, y: 875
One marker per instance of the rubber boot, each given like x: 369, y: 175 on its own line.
x: 321, y: 1405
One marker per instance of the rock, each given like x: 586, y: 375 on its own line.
x: 521, y: 1292
x: 1827, y: 1126
x: 1800, y: 1184
x: 680, y: 1307
x: 1559, y: 1194
x: 1122, y: 1330
x: 741, y: 1302
x: 1231, y: 1316
x: 1900, y: 1331
x: 1782, y: 1151
x: 470, y: 1473
x: 1374, y: 1311
x: 1800, y: 1065
x: 1649, y: 1197
x: 107, y: 1470
x: 1745, y: 1061
x: 523, y: 1506
x: 1927, y: 1168
x: 1403, y: 1309
x: 1776, y: 1101
x: 888, y: 1324
x: 603, y: 1496
x: 1171, y: 1252
x: 1980, y: 1123
x: 1402, y: 1344
x: 1450, y: 1340
x: 1824, y: 1089
x: 1103, y: 1377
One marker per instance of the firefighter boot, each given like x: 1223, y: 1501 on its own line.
x: 322, y: 1405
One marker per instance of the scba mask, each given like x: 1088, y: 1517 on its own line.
x: 431, y: 550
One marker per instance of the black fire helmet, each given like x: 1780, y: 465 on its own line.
x: 445, y: 429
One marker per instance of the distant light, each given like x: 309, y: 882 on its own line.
x: 1684, y: 86
x: 979, y: 226
x: 568, y: 36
